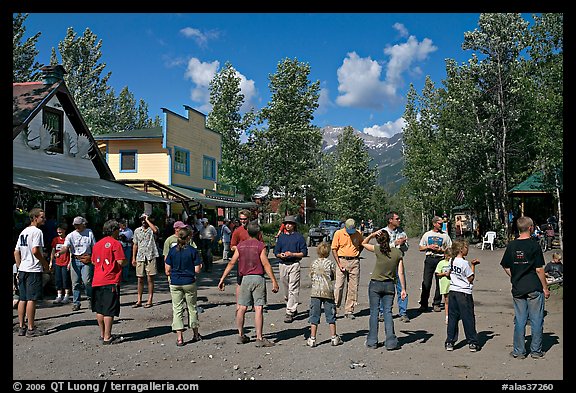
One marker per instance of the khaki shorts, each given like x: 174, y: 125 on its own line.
x: 147, y: 266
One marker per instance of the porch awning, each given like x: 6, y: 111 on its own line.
x: 58, y: 183
x: 207, y: 200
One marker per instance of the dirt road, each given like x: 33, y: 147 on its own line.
x: 72, y: 350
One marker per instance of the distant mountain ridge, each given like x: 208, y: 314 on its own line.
x: 386, y: 154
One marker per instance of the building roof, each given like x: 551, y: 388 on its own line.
x: 534, y: 184
x: 26, y: 99
x: 29, y: 98
x: 145, y: 133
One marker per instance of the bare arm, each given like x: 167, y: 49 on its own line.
x: 542, y: 277
x: 227, y: 270
x: 366, y: 242
x: 402, y: 278
x: 17, y: 258
x: 38, y: 253
x: 268, y: 270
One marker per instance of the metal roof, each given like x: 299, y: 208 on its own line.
x: 58, y: 183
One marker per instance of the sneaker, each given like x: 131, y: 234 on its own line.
x: 437, y: 308
x: 380, y: 318
x: 22, y: 331
x: 404, y: 318
x: 34, y: 332
x: 58, y: 300
x: 76, y: 307
x: 473, y: 347
x: 518, y: 356
x: 349, y: 315
x: 537, y: 355
x: 336, y: 340
x: 311, y: 342
x: 66, y: 299
x: 243, y: 339
x: 449, y: 346
x: 264, y: 343
x: 288, y: 318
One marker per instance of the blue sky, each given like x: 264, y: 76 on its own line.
x: 364, y: 62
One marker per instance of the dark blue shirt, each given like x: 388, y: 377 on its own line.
x: 182, y: 261
x: 294, y: 242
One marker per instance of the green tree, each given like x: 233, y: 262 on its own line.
x: 24, y: 64
x: 81, y: 60
x: 225, y: 118
x: 353, y: 181
x: 288, y: 148
x: 501, y: 38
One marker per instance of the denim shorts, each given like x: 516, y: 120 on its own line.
x: 252, y: 291
x: 30, y: 285
x: 316, y: 309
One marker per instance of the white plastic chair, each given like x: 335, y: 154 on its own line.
x: 489, y: 238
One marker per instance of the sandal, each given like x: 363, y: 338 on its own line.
x: 148, y: 305
x: 180, y: 342
x: 113, y: 340
x: 197, y: 338
x: 137, y: 305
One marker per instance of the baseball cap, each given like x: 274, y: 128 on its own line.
x: 79, y: 221
x: 350, y: 226
x: 179, y: 224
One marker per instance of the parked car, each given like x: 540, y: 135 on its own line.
x: 324, y: 231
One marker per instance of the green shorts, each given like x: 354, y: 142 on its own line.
x: 252, y: 291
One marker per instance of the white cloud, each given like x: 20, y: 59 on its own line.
x: 402, y: 30
x: 403, y: 55
x: 248, y: 88
x: 387, y: 129
x: 202, y: 73
x: 200, y: 37
x: 324, y: 102
x: 361, y: 83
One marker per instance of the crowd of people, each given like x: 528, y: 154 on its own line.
x: 98, y: 268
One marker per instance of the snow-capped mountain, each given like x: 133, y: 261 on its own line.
x: 386, y: 154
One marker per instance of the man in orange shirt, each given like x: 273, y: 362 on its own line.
x: 346, y: 249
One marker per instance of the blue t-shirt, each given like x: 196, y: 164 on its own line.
x: 182, y: 261
x: 294, y: 242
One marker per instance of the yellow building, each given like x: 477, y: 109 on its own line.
x: 178, y: 161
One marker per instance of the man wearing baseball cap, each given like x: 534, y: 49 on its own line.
x: 346, y: 249
x: 172, y: 240
x: 80, y: 243
x: 290, y: 249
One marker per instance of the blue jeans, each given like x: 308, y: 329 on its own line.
x: 402, y: 304
x: 81, y: 273
x: 61, y: 277
x: 126, y: 269
x: 530, y: 306
x: 381, y: 291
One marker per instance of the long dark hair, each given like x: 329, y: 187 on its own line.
x: 384, y: 242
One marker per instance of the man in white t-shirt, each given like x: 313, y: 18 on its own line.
x: 79, y: 243
x: 30, y: 261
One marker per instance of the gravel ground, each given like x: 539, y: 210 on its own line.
x: 71, y: 350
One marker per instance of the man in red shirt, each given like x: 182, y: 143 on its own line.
x: 108, y: 259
